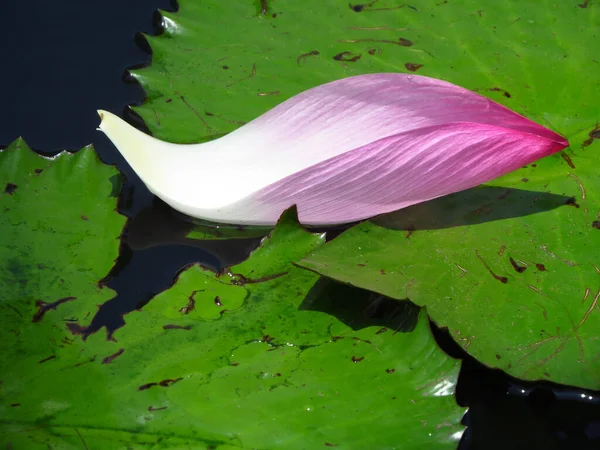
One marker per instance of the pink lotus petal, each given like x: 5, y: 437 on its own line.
x: 396, y: 172
x: 341, y: 152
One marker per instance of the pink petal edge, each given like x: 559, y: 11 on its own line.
x: 363, y: 129
x: 349, y: 113
x: 396, y: 172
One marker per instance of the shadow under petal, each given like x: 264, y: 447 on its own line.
x: 160, y: 225
x: 359, y: 308
x: 473, y: 206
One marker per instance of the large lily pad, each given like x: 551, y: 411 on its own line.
x: 516, y: 281
x: 535, y: 57
x: 511, y: 268
x: 245, y: 359
x: 220, y: 64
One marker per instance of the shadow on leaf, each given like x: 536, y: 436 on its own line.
x: 473, y: 206
x: 359, y: 308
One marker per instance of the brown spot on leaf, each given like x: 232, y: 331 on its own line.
x: 225, y: 67
x: 264, y: 7
x: 517, y: 267
x: 571, y: 201
x: 357, y: 8
x: 413, y: 67
x: 381, y: 330
x: 218, y: 301
x: 44, y: 307
x: 172, y: 326
x: 401, y: 41
x: 41, y: 361
x: 152, y: 408
x: 252, y: 74
x: 14, y: 405
x: 91, y: 360
x: 10, y: 188
x: 594, y: 134
x: 369, y: 7
x: 596, y: 224
x: 356, y: 359
x: 109, y: 359
x: 346, y: 57
x: 504, y: 91
x: 498, y: 356
x: 390, y: 370
x: 191, y: 305
x: 540, y: 267
x: 236, y: 122
x: 568, y: 159
x: 495, y: 89
x: 169, y: 100
x: 195, y: 111
x: 164, y: 383
x: 38, y: 171
x: 84, y: 332
x: 306, y: 55
x: 503, y: 280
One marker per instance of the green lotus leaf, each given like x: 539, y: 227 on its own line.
x: 254, y: 357
x: 221, y: 64
x: 510, y: 268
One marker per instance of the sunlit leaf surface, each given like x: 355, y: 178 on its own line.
x: 536, y: 229
x: 266, y: 355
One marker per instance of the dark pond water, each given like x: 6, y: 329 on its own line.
x: 63, y: 60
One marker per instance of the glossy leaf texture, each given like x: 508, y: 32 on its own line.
x: 513, y: 273
x: 60, y: 237
x: 266, y: 355
x: 511, y: 268
x: 206, y: 81
x: 536, y: 58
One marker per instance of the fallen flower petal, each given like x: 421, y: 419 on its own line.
x: 344, y: 151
